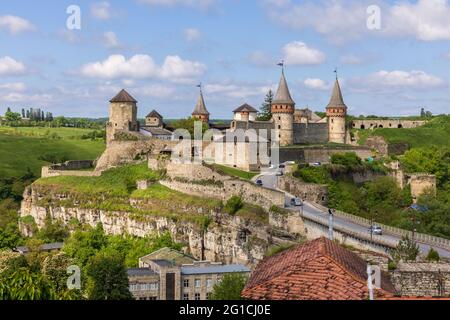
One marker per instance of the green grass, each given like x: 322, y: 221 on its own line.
x: 21, y: 148
x: 436, y: 132
x: 233, y: 172
x: 116, y: 182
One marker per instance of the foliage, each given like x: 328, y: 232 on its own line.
x: 233, y: 172
x: 25, y: 285
x: 229, y: 288
x: 233, y: 205
x: 52, y: 231
x: 406, y: 250
x: 189, y: 125
x: 349, y: 159
x: 433, y: 255
x: 108, y: 278
x: 308, y: 174
x: 273, y: 251
x: 265, y: 113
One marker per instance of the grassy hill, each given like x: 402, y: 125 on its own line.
x: 23, y: 148
x: 436, y: 132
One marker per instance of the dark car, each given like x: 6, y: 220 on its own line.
x: 282, y: 166
x: 259, y: 183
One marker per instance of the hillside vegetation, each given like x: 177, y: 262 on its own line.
x: 436, y: 132
x: 32, y: 148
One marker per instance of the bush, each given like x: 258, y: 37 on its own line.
x: 229, y: 288
x: 406, y: 250
x: 392, y: 265
x: 234, y: 204
x: 349, y: 159
x: 433, y: 256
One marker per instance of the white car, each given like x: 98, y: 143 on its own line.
x: 297, y: 202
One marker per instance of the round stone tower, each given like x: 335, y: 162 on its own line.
x: 122, y: 115
x: 283, y: 109
x: 337, y: 114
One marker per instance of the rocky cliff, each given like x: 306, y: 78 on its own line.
x: 207, y: 233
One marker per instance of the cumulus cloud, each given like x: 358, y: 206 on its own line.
x: 298, y: 53
x: 344, y: 20
x: 111, y: 40
x: 143, y: 66
x: 17, y: 97
x: 101, y: 10
x: 9, y: 66
x: 192, y: 34
x: 395, y: 80
x: 15, y: 25
x: 316, y: 84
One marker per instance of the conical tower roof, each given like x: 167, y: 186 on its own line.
x: 283, y: 95
x: 337, y: 101
x: 123, y: 96
x: 200, y: 108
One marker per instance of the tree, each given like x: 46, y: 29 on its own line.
x: 406, y: 250
x: 433, y: 255
x: 229, y: 288
x: 25, y: 285
x: 233, y: 205
x: 108, y: 279
x: 265, y: 113
x: 12, y: 116
x: 189, y: 125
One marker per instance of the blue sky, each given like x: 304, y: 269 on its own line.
x: 159, y: 50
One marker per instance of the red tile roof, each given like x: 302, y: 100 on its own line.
x: 320, y: 269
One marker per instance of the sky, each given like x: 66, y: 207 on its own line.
x: 392, y: 57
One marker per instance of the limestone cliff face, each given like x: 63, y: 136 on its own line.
x: 227, y: 239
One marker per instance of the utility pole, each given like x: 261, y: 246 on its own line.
x: 330, y: 224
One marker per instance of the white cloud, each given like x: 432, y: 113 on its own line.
x: 101, y: 10
x: 201, y: 4
x: 143, y: 66
x: 192, y: 34
x: 15, y: 25
x: 16, y: 97
x: 111, y: 40
x: 316, y: 84
x: 9, y: 66
x: 14, y: 86
x: 394, y: 80
x: 298, y: 53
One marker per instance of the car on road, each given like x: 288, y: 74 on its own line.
x: 259, y: 183
x: 316, y: 164
x: 297, y: 202
x: 280, y: 173
x: 282, y: 166
x: 376, y: 230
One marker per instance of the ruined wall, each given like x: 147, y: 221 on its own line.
x: 384, y: 148
x: 323, y: 155
x: 310, y: 133
x: 305, y: 191
x: 422, y: 279
x: 249, y: 192
x: 389, y: 124
x: 420, y: 183
x: 70, y: 168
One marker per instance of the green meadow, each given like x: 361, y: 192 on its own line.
x: 30, y: 148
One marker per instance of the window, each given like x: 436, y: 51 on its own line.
x: 198, y: 283
x: 209, y: 283
x: 186, y: 296
x: 197, y: 297
x: 186, y: 283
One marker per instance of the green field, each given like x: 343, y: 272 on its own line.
x: 436, y: 132
x: 22, y: 148
x: 233, y: 172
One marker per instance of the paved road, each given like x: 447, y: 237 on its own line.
x: 270, y: 180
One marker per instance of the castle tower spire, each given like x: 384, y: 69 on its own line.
x: 200, y: 111
x: 337, y: 113
x: 283, y: 109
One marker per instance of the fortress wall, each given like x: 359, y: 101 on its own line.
x: 389, y: 123
x: 310, y: 133
x: 249, y: 192
x: 193, y: 172
x: 322, y: 155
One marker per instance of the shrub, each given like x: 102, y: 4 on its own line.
x: 406, y: 250
x: 349, y: 159
x: 392, y: 265
x: 433, y: 256
x: 233, y: 205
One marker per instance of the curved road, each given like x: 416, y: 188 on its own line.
x: 270, y: 180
